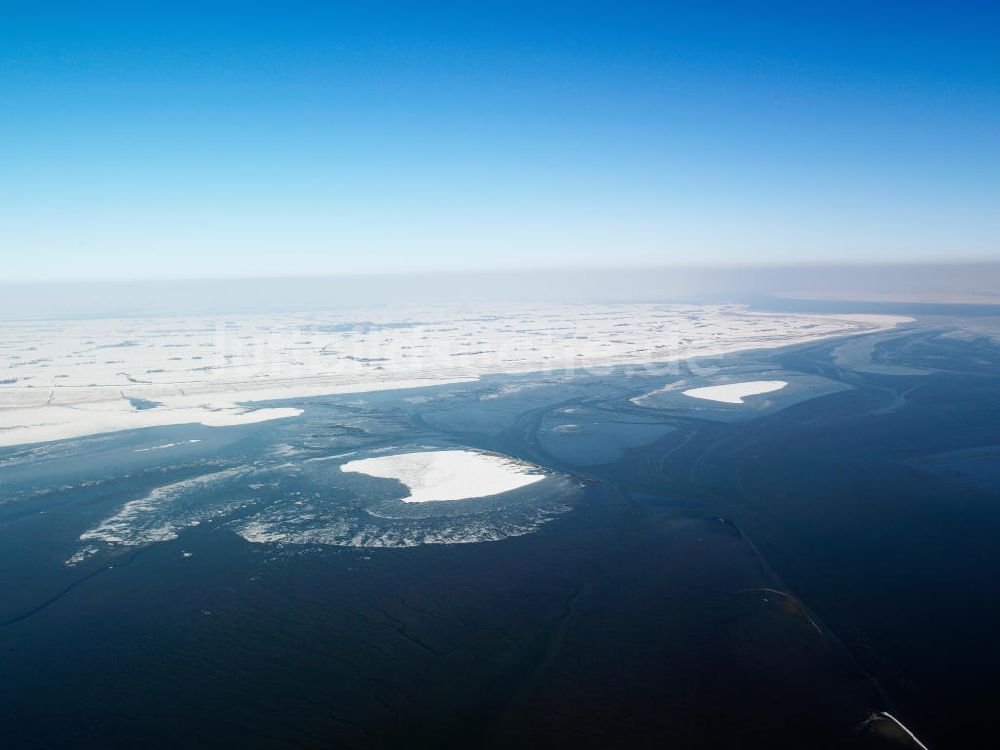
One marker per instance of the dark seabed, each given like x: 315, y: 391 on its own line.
x: 688, y: 574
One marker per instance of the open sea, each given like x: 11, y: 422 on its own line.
x: 688, y: 574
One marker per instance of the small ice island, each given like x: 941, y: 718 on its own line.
x: 734, y: 393
x: 448, y: 475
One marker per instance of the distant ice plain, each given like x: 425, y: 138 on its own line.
x: 63, y: 379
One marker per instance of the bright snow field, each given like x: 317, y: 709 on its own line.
x: 70, y: 378
x: 448, y: 475
x: 734, y: 393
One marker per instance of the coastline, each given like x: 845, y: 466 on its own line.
x: 30, y: 414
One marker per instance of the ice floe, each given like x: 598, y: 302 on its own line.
x: 434, y: 476
x: 159, y: 515
x: 734, y: 393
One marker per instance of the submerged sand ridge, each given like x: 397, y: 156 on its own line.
x: 434, y: 476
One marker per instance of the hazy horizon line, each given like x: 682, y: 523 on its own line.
x: 947, y: 283
x: 708, y: 266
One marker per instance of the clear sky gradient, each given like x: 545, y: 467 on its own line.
x: 143, y: 140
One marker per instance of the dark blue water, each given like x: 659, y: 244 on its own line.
x: 689, y: 574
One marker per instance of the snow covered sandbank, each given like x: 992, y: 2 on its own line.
x: 734, y: 393
x: 448, y: 475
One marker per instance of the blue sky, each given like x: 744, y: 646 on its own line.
x: 170, y: 141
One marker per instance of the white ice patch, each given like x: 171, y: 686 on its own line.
x: 155, y: 517
x: 449, y: 475
x: 82, y: 554
x: 287, y: 526
x: 167, y: 445
x: 734, y: 393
